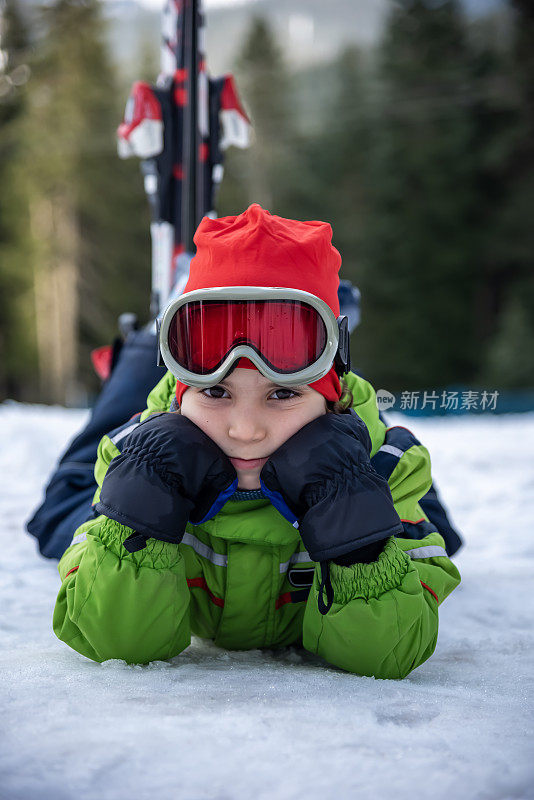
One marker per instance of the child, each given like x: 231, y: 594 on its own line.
x: 266, y: 504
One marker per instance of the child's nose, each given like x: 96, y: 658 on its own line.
x: 246, y: 426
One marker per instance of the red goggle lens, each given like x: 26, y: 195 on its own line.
x: 288, y: 334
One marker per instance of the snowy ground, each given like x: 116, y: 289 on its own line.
x: 213, y: 725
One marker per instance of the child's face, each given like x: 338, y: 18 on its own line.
x: 249, y: 418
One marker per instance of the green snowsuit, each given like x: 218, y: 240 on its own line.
x: 243, y: 578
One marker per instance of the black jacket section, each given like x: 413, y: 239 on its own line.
x: 398, y: 439
x: 435, y: 511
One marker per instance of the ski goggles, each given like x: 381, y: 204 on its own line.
x: 290, y: 335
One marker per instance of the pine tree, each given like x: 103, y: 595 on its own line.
x: 87, y: 215
x: 16, y: 330
x: 340, y: 158
x: 420, y: 275
x: 508, y: 363
x: 266, y: 173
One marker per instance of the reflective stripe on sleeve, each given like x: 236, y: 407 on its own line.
x: 394, y: 451
x: 296, y: 558
x: 203, y: 550
x: 80, y: 537
x: 432, y: 551
x: 121, y: 434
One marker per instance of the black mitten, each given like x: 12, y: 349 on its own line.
x: 322, y: 479
x: 169, y: 472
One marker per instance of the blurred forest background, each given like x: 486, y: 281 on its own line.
x: 415, y: 140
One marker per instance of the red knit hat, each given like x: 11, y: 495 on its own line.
x: 257, y: 248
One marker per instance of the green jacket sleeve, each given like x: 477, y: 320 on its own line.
x: 115, y: 604
x: 384, y: 620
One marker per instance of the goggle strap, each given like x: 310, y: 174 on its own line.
x: 342, y: 358
x: 159, y: 358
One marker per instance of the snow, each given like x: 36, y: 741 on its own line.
x: 217, y: 725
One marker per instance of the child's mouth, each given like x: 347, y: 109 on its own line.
x: 248, y: 463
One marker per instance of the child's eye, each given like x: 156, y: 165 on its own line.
x: 287, y: 394
x: 220, y: 393
x: 215, y: 392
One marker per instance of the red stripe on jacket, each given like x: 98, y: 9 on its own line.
x: 200, y: 583
x: 72, y: 570
x: 430, y: 590
x: 283, y: 599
